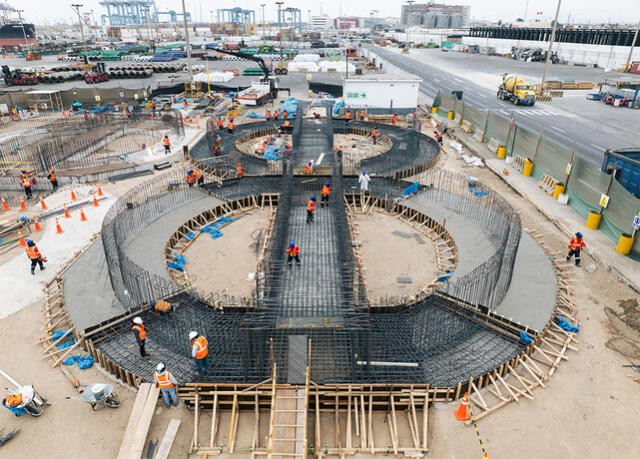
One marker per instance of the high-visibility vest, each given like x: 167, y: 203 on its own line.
x: 295, y: 250
x: 33, y: 253
x: 26, y: 182
x: 374, y: 133
x: 267, y: 115
x: 197, y: 174
x: 307, y: 169
x: 576, y: 244
x: 191, y: 178
x: 230, y: 126
x: 311, y: 206
x: 326, y: 190
x: 240, y: 171
x: 220, y: 123
x: 164, y: 379
x: 52, y: 177
x: 347, y: 115
x: 142, y: 331
x: 285, y: 114
x: 162, y: 306
x: 276, y: 114
x: 200, y: 344
x: 166, y: 141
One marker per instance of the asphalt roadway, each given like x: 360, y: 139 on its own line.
x: 593, y: 126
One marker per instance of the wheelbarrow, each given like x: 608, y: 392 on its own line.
x: 98, y: 394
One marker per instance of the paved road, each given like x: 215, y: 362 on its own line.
x: 592, y: 137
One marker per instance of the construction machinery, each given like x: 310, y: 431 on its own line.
x: 17, y: 78
x: 98, y: 74
x: 516, y: 90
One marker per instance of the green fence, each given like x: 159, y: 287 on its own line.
x: 586, y: 182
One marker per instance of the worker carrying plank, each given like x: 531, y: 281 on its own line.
x: 35, y: 257
x: 575, y: 245
x: 199, y: 351
x: 311, y: 208
x: 140, y: 334
x: 167, y: 384
x: 326, y: 191
x: 293, y: 253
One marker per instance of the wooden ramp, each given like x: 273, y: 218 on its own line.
x: 288, y: 421
x: 135, y: 436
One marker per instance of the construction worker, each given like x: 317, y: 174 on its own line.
x: 575, y: 245
x: 53, y: 179
x: 239, y: 170
x: 363, y: 114
x: 287, y: 149
x: 231, y: 117
x: 316, y: 115
x: 339, y: 152
x: 364, y: 180
x: 375, y: 133
x: 167, y: 144
x: 220, y: 124
x: 326, y: 191
x: 35, y: 256
x: 394, y: 119
x: 230, y: 127
x: 438, y: 137
x: 140, y: 334
x: 217, y: 140
x: 199, y: 177
x: 285, y: 115
x: 167, y: 384
x: 199, y: 351
x: 267, y: 115
x: 276, y: 114
x: 286, y: 126
x: 162, y: 306
x: 293, y: 253
x: 308, y: 168
x: 347, y: 116
x: 26, y: 184
x: 311, y: 208
x: 191, y: 178
x: 216, y: 150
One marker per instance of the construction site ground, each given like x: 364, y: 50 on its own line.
x: 587, y: 409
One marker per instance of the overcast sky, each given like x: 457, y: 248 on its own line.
x: 593, y: 11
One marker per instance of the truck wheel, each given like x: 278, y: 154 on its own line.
x: 284, y: 71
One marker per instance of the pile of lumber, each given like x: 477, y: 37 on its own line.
x: 136, y: 434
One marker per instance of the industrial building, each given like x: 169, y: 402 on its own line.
x: 435, y: 15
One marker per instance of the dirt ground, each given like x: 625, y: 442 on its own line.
x: 357, y: 147
x: 410, y: 258
x: 221, y: 266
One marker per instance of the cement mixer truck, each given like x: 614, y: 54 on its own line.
x: 516, y: 90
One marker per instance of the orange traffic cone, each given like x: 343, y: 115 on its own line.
x: 23, y: 243
x: 462, y: 413
x: 83, y: 217
x: 66, y: 211
x: 73, y: 195
x: 23, y: 206
x: 100, y: 193
x: 43, y: 205
x: 5, y: 206
x: 58, y: 227
x: 37, y: 224
x: 95, y: 201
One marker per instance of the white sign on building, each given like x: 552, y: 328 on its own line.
x: 398, y: 91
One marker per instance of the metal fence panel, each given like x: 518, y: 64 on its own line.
x: 525, y: 142
x: 551, y: 160
x: 497, y: 128
x: 585, y: 186
x: 618, y: 216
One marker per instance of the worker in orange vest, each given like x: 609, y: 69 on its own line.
x: 293, y: 253
x: 231, y: 117
x: 347, y: 116
x: 276, y: 114
x: 167, y: 144
x: 394, y: 119
x: 267, y: 115
x: 311, y: 208
x: 326, y: 191
x: 575, y: 245
x: 285, y: 115
x: 220, y: 124
x: 239, y: 170
x: 162, y: 306
x: 199, y: 177
x: 230, y: 127
x: 375, y: 135
x: 53, y: 179
x: 26, y: 184
x: 308, y: 168
x: 438, y: 137
x: 35, y: 256
x: 140, y: 334
x: 167, y: 384
x: 191, y: 178
x: 363, y: 114
x: 199, y: 351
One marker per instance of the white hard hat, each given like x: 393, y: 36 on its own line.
x: 160, y: 367
x: 137, y: 320
x: 193, y: 334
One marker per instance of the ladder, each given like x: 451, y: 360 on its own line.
x: 288, y: 420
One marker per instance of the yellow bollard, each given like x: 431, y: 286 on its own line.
x: 434, y: 110
x: 528, y: 168
x: 625, y: 243
x: 593, y: 220
x: 450, y: 116
x: 558, y: 190
x: 502, y: 152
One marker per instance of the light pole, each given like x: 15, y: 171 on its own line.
x: 76, y: 7
x: 280, y: 28
x: 633, y: 44
x: 146, y: 9
x: 24, y: 33
x: 262, y: 5
x: 554, y: 26
x: 186, y: 35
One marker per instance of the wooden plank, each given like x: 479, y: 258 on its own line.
x: 136, y: 411
x: 167, y: 440
x: 140, y: 437
x: 213, y: 420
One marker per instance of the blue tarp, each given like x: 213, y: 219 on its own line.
x: 65, y: 344
x: 83, y: 362
x: 445, y: 277
x: 526, y: 339
x: 472, y: 189
x: 411, y: 189
x: 271, y: 154
x: 565, y: 325
x: 338, y: 106
x: 290, y: 105
x: 178, y: 264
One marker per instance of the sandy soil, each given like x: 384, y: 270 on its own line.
x: 357, y: 147
x: 405, y: 256
x: 222, y: 265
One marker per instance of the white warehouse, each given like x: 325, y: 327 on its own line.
x: 388, y: 91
